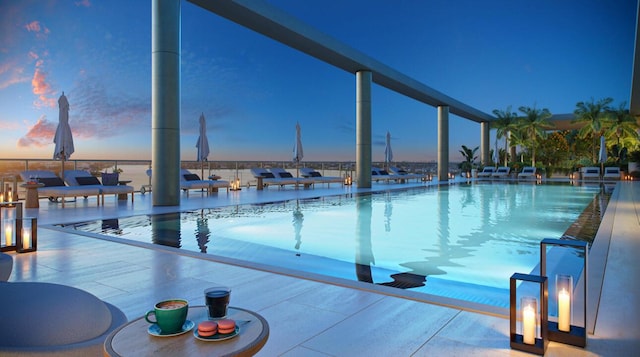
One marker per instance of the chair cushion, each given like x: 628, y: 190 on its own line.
x: 191, y: 177
x: 51, y: 181
x: 383, y: 172
x: 315, y: 174
x: 88, y: 180
x: 267, y: 175
x: 285, y: 175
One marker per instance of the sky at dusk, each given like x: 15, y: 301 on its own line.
x: 252, y: 90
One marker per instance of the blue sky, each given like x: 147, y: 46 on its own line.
x: 252, y: 90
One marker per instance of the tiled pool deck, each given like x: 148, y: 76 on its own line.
x: 312, y: 318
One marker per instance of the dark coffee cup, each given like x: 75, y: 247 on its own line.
x: 169, y: 315
x: 217, y: 300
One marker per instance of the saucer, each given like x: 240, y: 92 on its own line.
x: 217, y: 336
x: 154, y: 330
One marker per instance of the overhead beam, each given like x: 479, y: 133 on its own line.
x: 272, y: 22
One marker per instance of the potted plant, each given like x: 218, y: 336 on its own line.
x: 634, y: 161
x: 469, y: 159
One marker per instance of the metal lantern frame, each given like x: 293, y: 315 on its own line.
x: 577, y: 335
x: 16, y: 226
x: 517, y: 340
x: 32, y: 244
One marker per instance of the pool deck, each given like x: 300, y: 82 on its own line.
x: 308, y: 317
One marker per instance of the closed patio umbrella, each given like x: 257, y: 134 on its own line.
x: 388, y: 154
x: 298, y: 154
x: 602, y: 157
x: 203, y: 143
x: 63, y: 138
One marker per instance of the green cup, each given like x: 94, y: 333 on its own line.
x: 169, y: 315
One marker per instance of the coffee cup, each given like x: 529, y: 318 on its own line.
x: 169, y: 315
x: 217, y: 300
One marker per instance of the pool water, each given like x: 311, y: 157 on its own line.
x: 461, y: 241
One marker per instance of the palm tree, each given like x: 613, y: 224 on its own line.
x: 504, y: 125
x: 622, y: 127
x: 534, y: 125
x: 593, y: 116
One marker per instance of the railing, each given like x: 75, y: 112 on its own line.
x: 135, y: 170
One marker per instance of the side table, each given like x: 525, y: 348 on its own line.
x: 31, y: 200
x: 123, y: 196
x: 132, y: 339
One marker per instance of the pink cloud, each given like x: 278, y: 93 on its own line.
x: 39, y: 135
x: 33, y: 26
x: 11, y: 74
x: 40, y: 30
x: 41, y: 87
x: 85, y: 3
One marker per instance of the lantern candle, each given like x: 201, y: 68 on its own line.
x: 26, y: 239
x: 564, y: 311
x: 8, y: 233
x: 528, y: 325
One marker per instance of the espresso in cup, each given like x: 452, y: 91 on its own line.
x: 169, y: 315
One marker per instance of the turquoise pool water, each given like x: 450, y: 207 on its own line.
x: 461, y: 241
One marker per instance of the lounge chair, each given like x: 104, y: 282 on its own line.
x: 378, y: 174
x: 285, y: 175
x: 527, y: 172
x: 55, y: 187
x: 266, y: 178
x: 502, y: 172
x: 317, y: 177
x: 75, y: 178
x: 591, y: 173
x: 190, y: 181
x: 487, y: 171
x: 404, y: 175
x: 611, y: 173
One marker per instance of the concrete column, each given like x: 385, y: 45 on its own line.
x: 363, y: 129
x: 165, y: 102
x: 485, y: 158
x: 443, y: 143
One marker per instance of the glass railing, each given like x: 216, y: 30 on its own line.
x: 136, y: 170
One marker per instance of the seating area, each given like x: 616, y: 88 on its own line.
x: 590, y: 173
x: 502, y: 172
x: 278, y: 177
x: 56, y: 189
x: 405, y: 175
x: 378, y: 174
x: 486, y: 172
x: 317, y: 177
x: 81, y: 178
x: 611, y: 173
x: 191, y: 181
x: 528, y: 172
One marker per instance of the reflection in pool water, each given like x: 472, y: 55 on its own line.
x: 460, y: 241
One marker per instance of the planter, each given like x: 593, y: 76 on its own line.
x: 634, y: 166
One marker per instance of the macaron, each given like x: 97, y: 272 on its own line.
x: 226, y: 326
x: 207, y: 328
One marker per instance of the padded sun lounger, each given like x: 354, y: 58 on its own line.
x: 81, y: 178
x: 317, y: 177
x: 487, y: 171
x: 591, y: 173
x: 190, y: 181
x: 404, y: 175
x: 502, y: 172
x: 378, y: 174
x: 611, y: 173
x: 268, y: 178
x: 286, y: 175
x: 527, y: 172
x: 55, y: 187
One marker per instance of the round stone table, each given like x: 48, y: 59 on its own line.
x: 31, y: 201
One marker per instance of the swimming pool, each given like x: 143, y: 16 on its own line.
x: 461, y: 241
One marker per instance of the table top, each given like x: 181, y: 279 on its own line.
x: 124, y: 182
x: 133, y: 338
